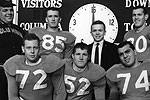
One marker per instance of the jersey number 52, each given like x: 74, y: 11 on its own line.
x: 81, y: 91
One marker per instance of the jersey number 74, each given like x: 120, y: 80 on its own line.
x: 142, y: 81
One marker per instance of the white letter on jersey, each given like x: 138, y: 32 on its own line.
x: 67, y: 81
x: 127, y: 79
x: 137, y: 43
x: 82, y: 91
x: 143, y: 76
x: 26, y: 75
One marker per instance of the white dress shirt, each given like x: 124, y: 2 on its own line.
x: 100, y: 51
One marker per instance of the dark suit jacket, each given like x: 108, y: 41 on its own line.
x: 109, y: 55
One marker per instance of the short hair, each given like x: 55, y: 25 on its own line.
x: 82, y: 46
x: 31, y: 36
x: 98, y: 22
x: 122, y: 44
x: 53, y: 9
x: 142, y: 7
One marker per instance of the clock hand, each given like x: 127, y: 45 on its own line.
x: 93, y: 10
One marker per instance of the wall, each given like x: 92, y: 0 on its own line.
x: 77, y: 15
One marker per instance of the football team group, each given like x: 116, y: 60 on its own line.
x: 47, y: 64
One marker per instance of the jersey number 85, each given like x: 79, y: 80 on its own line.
x: 49, y: 42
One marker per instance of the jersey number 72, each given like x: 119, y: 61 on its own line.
x: 38, y: 84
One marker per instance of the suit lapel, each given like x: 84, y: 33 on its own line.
x: 104, y: 52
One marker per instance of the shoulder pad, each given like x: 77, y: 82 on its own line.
x: 53, y: 63
x: 10, y: 65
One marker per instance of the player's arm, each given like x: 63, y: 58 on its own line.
x: 12, y: 87
x: 68, y: 49
x: 59, y: 85
x: 124, y: 37
x: 99, y: 88
x: 114, y: 92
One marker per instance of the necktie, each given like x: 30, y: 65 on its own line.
x: 96, y: 54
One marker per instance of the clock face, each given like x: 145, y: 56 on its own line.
x: 81, y: 20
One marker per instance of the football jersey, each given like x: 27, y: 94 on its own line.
x: 60, y: 43
x: 80, y: 85
x: 141, y: 41
x: 35, y: 82
x: 133, y: 83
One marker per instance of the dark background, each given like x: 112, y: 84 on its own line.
x: 118, y: 7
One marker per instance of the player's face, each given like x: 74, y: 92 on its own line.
x: 98, y: 32
x: 138, y: 17
x: 53, y: 19
x: 6, y: 14
x: 31, y: 50
x: 127, y: 55
x: 80, y: 57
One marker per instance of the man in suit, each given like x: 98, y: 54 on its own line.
x: 107, y: 54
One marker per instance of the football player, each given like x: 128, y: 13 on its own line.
x: 54, y: 40
x: 140, y: 35
x: 129, y: 80
x: 83, y: 78
x: 31, y: 77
